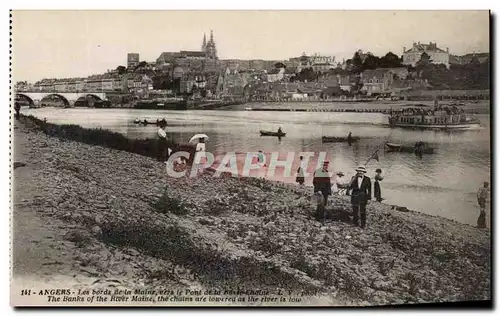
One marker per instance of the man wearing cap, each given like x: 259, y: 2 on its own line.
x: 361, y: 188
x: 322, y: 183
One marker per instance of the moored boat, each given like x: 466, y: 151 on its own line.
x: 423, y: 149
x: 328, y: 139
x: 269, y: 133
x: 447, y: 118
x: 146, y: 122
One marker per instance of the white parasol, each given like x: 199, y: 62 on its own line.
x: 197, y: 137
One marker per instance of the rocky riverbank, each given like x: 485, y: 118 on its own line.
x: 130, y: 225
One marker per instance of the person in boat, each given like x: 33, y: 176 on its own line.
x: 361, y: 193
x: 482, y: 196
x: 300, y: 179
x: 376, y: 186
x: 280, y: 131
x: 322, y: 184
x: 145, y: 122
x: 162, y: 143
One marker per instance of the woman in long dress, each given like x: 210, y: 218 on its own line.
x: 300, y: 179
x: 376, y: 186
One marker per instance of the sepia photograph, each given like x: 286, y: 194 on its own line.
x: 328, y: 158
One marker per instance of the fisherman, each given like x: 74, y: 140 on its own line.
x: 419, y: 148
x: 349, y: 139
x: 162, y: 143
x: 376, y: 186
x: 482, y: 196
x: 322, y: 183
x: 17, y: 108
x: 360, y: 195
x: 280, y: 131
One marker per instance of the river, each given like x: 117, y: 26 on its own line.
x: 443, y: 184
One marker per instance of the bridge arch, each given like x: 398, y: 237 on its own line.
x: 60, y: 97
x: 96, y: 97
x: 22, y: 95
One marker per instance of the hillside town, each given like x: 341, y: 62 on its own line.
x: 423, y: 71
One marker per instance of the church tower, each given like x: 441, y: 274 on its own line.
x: 204, y: 45
x: 211, y: 50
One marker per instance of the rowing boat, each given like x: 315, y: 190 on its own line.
x: 268, y: 133
x: 327, y: 139
x: 408, y: 149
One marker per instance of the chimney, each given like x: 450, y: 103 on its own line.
x: 404, y: 49
x: 448, y: 50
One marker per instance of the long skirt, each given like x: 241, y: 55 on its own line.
x: 377, y: 192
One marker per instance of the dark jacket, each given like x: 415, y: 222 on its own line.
x: 363, y: 194
x: 321, y: 182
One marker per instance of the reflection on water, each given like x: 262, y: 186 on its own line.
x: 442, y: 184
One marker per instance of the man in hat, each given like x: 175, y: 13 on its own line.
x: 322, y: 183
x: 361, y: 188
x: 482, y: 196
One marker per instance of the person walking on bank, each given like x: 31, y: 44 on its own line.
x: 300, y: 179
x: 360, y: 195
x: 162, y: 143
x: 322, y: 183
x: 376, y: 186
x: 482, y: 196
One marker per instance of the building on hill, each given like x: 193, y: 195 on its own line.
x: 132, y: 60
x: 436, y: 54
x: 378, y: 81
x: 468, y: 58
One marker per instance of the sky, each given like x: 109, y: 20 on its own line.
x: 62, y: 44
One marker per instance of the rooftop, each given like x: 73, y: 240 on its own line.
x: 420, y: 48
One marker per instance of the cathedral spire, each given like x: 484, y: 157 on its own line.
x: 212, y: 36
x: 204, y: 45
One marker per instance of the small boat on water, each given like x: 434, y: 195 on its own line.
x: 146, y: 122
x: 423, y: 149
x: 328, y: 139
x: 269, y: 133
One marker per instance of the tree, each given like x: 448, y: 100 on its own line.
x: 424, y: 61
x: 371, y: 62
x: 357, y: 63
x: 390, y: 60
x: 141, y: 65
x: 279, y: 65
x: 121, y: 69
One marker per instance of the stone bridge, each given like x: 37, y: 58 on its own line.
x: 68, y: 98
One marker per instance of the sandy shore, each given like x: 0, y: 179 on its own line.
x: 118, y: 219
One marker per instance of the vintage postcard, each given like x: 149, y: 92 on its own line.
x: 250, y: 158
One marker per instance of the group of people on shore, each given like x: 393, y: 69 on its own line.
x: 359, y: 188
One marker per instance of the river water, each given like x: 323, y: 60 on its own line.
x: 443, y: 184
